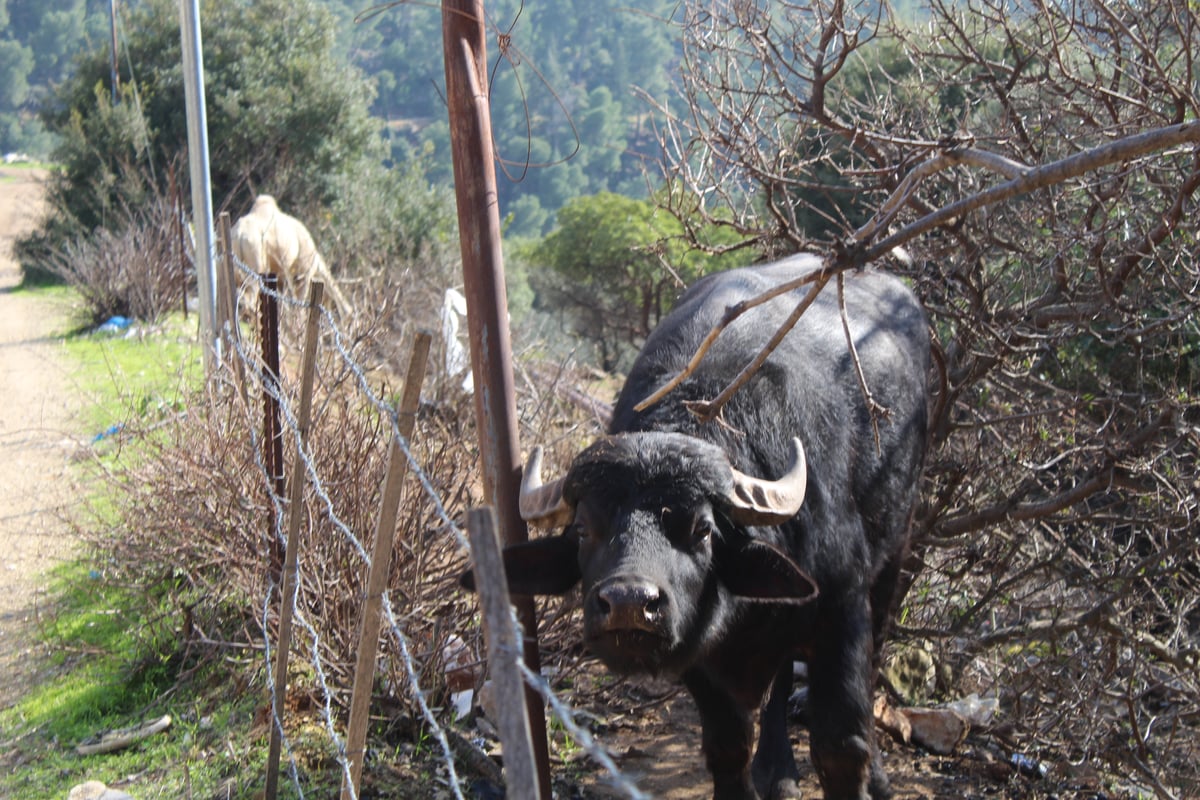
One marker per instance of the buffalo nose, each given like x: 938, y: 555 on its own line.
x: 630, y: 605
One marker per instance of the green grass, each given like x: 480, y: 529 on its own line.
x: 137, y: 378
x: 94, y: 631
x: 119, y: 658
x: 115, y: 654
x: 114, y: 664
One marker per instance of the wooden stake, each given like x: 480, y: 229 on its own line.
x: 291, y: 554
x: 504, y: 647
x: 381, y: 557
x: 227, y: 301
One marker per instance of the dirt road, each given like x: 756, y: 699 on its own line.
x: 35, y: 444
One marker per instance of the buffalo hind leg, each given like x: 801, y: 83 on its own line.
x: 774, y: 767
x: 841, y: 724
x: 884, y: 597
x: 727, y: 735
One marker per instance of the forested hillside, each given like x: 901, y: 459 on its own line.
x: 38, y: 39
x: 566, y: 77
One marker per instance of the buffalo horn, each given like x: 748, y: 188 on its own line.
x: 756, y: 501
x: 542, y: 504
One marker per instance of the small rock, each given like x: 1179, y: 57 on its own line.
x: 892, y: 720
x: 938, y: 730
x: 95, y: 790
x: 87, y: 791
x: 1078, y: 776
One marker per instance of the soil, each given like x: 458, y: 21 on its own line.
x: 35, y: 446
x: 654, y: 737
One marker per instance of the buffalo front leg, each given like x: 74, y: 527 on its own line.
x: 727, y: 736
x: 774, y: 767
x: 841, y: 725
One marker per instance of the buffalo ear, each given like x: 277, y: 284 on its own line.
x: 541, y: 566
x: 758, y: 571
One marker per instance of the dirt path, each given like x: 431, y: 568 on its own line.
x: 34, y: 442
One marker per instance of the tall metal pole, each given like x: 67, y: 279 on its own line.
x: 112, y: 25
x: 465, y: 58
x: 202, y: 209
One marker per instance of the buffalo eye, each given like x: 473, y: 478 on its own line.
x: 577, y: 531
x: 582, y: 528
x: 688, y: 529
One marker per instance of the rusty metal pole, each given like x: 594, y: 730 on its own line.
x: 272, y: 423
x: 464, y: 52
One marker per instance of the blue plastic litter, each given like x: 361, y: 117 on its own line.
x: 112, y: 430
x: 115, y: 324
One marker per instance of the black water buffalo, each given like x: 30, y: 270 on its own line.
x: 718, y: 552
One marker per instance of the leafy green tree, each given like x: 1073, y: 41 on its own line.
x: 382, y: 218
x: 617, y: 264
x: 38, y: 41
x: 571, y: 81
x: 401, y: 49
x: 284, y: 115
x: 16, y: 62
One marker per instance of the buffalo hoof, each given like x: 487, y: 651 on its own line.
x: 786, y: 789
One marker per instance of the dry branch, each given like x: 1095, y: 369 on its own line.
x: 1127, y: 149
x: 1063, y: 452
x: 707, y: 411
x: 856, y: 253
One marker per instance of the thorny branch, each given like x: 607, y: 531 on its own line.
x: 1130, y: 148
x: 820, y: 278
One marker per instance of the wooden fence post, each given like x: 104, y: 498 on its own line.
x: 504, y: 648
x: 381, y: 557
x: 291, y: 554
x: 227, y: 317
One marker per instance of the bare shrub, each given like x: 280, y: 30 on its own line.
x: 195, y: 521
x: 132, y: 270
x: 1056, y: 557
x: 196, y: 506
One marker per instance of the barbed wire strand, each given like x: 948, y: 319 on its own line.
x: 327, y: 714
x: 275, y: 390
x: 415, y: 684
x: 268, y: 655
x: 258, y: 370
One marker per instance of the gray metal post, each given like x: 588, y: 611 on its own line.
x: 202, y: 210
x: 112, y: 25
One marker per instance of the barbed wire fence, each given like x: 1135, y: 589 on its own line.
x: 246, y: 364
